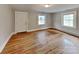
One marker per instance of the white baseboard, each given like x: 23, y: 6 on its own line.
x: 19, y: 32
x: 37, y: 29
x: 4, y: 44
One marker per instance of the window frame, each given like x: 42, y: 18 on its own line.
x: 39, y: 19
x: 74, y: 19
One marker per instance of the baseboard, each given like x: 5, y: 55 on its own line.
x: 37, y: 29
x: 4, y: 44
x: 19, y: 32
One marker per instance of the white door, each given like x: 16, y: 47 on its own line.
x: 21, y: 19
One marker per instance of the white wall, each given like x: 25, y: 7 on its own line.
x: 33, y: 20
x: 56, y: 22
x: 6, y: 24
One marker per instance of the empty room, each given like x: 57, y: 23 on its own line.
x: 39, y: 28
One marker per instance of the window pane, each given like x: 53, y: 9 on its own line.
x: 68, y: 20
x: 41, y: 20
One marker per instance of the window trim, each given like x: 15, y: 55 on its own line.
x: 74, y: 20
x: 38, y: 19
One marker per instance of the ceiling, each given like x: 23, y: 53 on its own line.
x: 40, y: 7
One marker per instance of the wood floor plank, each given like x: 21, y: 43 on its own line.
x: 42, y: 42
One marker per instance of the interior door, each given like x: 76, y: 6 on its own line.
x: 21, y: 21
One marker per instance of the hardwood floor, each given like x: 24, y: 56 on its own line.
x: 42, y: 42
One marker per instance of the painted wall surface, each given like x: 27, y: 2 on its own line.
x: 33, y: 20
x: 56, y: 22
x: 6, y: 24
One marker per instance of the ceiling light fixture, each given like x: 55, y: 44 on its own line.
x: 47, y: 5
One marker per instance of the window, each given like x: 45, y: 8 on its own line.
x: 69, y: 20
x: 41, y: 20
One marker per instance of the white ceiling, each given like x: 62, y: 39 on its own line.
x: 40, y: 7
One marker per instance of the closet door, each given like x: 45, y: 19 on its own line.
x: 21, y: 19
